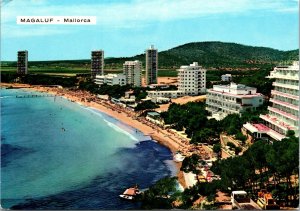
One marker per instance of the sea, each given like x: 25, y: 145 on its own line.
x: 58, y: 154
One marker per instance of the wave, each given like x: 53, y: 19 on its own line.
x: 117, y: 128
x: 112, y: 125
x: 172, y: 168
x: 8, y: 96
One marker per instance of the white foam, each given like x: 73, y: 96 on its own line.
x: 172, y: 167
x: 118, y: 129
x: 113, y: 126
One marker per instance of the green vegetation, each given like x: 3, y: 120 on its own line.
x: 219, y: 54
x: 145, y: 105
x: 252, y: 171
x: 241, y: 137
x: 189, y: 164
x: 217, y: 148
x: 262, y: 166
x: 192, y: 117
x: 161, y: 194
x: 115, y: 91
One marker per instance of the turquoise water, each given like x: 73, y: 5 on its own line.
x: 52, y: 148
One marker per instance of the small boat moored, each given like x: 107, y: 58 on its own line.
x: 130, y: 193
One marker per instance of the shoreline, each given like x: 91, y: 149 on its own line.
x: 162, y: 136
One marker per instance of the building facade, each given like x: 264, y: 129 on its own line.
x: 226, y: 77
x: 133, y: 72
x: 97, y: 63
x: 22, y: 64
x: 222, y: 100
x: 151, y: 65
x: 110, y: 79
x: 165, y: 94
x: 283, y: 115
x: 192, y: 79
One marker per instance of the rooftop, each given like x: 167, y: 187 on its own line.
x: 235, y: 95
x: 152, y: 113
x: 261, y: 128
x: 235, y: 86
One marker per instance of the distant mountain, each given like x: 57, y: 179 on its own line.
x: 207, y: 54
x: 216, y: 54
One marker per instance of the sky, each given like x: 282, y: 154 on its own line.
x: 128, y: 27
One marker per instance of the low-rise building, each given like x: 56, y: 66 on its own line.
x: 155, y: 117
x: 226, y: 77
x: 165, y: 94
x: 222, y: 100
x: 111, y: 79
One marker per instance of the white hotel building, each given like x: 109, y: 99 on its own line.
x: 222, y: 100
x: 133, y: 72
x: 191, y: 81
x: 284, y: 113
x: 110, y: 79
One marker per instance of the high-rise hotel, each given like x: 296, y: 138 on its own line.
x: 97, y: 63
x: 22, y: 64
x: 151, y: 65
x: 192, y: 79
x: 283, y: 115
x: 133, y: 72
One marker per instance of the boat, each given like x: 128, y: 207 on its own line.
x: 130, y: 193
x: 178, y: 157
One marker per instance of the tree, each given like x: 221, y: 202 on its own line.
x: 190, y: 163
x: 145, y: 105
x: 232, y: 124
x: 237, y: 150
x: 160, y: 195
x: 217, y: 148
x: 203, y: 136
x: 241, y: 137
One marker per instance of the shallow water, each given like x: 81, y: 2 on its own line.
x: 60, y: 155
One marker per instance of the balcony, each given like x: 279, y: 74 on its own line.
x: 285, y: 85
x: 295, y: 97
x: 274, y: 121
x: 282, y: 76
x: 282, y: 113
x: 285, y: 104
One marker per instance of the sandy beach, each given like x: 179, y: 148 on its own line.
x: 162, y: 136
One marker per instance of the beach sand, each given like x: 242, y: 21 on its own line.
x: 128, y: 117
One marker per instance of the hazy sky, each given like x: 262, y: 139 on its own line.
x: 128, y: 27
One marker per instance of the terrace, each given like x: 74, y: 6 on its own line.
x: 295, y: 97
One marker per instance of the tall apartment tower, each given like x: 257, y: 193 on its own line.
x: 132, y: 71
x: 192, y: 79
x: 151, y: 65
x: 22, y: 65
x: 284, y: 112
x: 97, y: 63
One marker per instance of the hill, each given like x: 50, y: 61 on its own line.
x: 207, y: 54
x: 215, y: 54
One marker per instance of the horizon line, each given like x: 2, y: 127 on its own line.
x: 158, y: 51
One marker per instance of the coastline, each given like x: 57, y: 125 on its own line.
x: 162, y: 136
